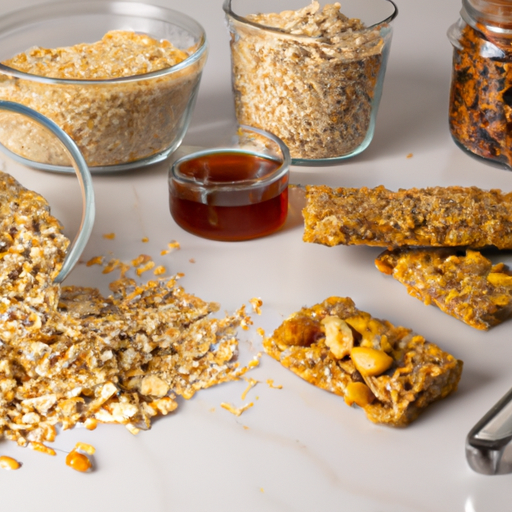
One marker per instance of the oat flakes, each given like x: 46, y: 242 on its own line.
x: 312, y: 82
x: 112, y: 123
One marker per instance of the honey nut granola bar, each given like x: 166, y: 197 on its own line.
x: 464, y: 284
x: 392, y: 373
x: 70, y: 356
x: 432, y: 217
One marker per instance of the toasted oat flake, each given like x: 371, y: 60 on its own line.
x: 256, y: 304
x: 237, y: 411
x: 251, y: 384
x: 97, y: 260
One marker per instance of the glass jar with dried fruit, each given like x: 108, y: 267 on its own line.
x: 480, y: 109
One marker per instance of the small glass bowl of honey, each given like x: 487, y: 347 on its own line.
x: 235, y: 192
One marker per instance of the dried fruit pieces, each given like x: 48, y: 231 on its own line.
x: 392, y: 373
x: 480, y: 110
x: 463, y: 284
x: 437, y: 216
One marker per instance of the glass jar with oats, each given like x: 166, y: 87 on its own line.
x: 480, y: 109
x: 120, y: 78
x: 310, y: 74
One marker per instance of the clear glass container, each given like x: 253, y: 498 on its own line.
x: 235, y: 192
x: 118, y: 123
x: 313, y: 78
x: 55, y: 139
x: 480, y: 108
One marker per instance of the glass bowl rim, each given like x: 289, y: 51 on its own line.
x: 229, y: 11
x: 18, y: 17
x: 247, y: 184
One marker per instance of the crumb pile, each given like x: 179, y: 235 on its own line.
x: 70, y: 356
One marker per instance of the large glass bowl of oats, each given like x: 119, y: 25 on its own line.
x: 120, y: 78
x: 312, y: 74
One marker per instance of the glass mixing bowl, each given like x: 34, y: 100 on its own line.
x: 118, y: 123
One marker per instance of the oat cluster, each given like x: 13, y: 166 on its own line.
x: 390, y: 372
x: 69, y: 355
x: 112, y: 123
x: 309, y: 79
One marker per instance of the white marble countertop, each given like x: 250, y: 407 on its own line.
x: 299, y: 448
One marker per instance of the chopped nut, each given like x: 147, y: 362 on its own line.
x: 338, y: 336
x: 370, y: 361
x: 358, y: 393
x: 9, y: 463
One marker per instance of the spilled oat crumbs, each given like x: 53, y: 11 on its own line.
x: 70, y: 356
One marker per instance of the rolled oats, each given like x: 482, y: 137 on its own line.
x: 112, y: 123
x: 312, y: 82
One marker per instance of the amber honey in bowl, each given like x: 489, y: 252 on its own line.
x: 229, y: 194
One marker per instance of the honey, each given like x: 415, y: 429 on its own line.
x: 229, y: 195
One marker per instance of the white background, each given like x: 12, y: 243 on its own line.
x: 298, y: 448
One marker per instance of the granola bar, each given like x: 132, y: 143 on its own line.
x: 463, y: 284
x: 392, y: 373
x: 311, y: 82
x: 112, y: 123
x: 436, y: 217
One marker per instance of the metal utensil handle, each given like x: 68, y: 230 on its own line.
x: 488, y: 439
x: 84, y: 179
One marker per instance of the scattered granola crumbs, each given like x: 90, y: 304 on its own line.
x: 410, y: 155
x: 97, y: 260
x: 109, y: 236
x: 261, y: 331
x: 9, y: 463
x: 164, y: 252
x: 271, y: 384
x: 237, y: 411
x: 174, y: 245
x: 142, y: 259
x: 145, y: 240
x: 40, y: 447
x: 261, y: 489
x: 192, y: 260
x: 159, y: 270
x: 256, y: 304
x: 252, y: 383
x: 255, y: 361
x: 85, y: 447
x: 73, y: 356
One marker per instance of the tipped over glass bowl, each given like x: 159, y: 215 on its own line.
x: 124, y: 109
